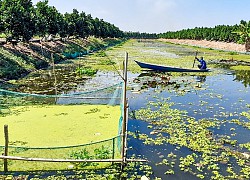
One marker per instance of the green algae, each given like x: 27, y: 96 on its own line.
x: 60, y: 125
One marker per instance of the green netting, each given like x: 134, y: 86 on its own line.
x: 75, y: 54
x: 106, y: 149
x: 110, y: 95
x: 78, y: 112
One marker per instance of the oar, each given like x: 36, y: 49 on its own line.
x: 195, y: 57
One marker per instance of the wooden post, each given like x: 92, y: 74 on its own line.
x: 125, y: 117
x: 113, y: 155
x: 6, y: 136
x: 54, y: 74
x: 113, y: 148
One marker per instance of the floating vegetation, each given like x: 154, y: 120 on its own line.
x: 197, y: 122
x: 210, y: 151
x: 85, y: 71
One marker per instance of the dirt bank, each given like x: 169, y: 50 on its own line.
x: 18, y: 60
x: 209, y: 44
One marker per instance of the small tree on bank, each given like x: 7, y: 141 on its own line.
x: 244, y: 33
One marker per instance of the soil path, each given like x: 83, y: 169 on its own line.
x: 209, y: 44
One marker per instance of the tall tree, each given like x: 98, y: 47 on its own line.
x: 41, y: 9
x: 72, y: 23
x: 48, y: 19
x: 1, y: 19
x: 18, y: 19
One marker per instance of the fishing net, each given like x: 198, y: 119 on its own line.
x: 80, y: 125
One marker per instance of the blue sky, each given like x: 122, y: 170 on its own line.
x: 155, y: 16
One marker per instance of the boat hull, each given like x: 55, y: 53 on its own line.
x: 160, y: 68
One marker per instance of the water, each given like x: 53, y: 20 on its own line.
x: 221, y: 97
x: 217, y: 97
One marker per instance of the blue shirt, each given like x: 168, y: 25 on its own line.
x: 203, y: 64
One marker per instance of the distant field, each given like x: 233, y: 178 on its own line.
x: 60, y: 125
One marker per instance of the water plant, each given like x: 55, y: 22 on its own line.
x: 210, y: 152
x: 85, y: 71
x: 98, y: 153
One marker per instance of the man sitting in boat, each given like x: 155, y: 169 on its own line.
x: 203, y: 64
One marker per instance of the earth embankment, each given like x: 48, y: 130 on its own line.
x: 208, y: 44
x: 22, y: 58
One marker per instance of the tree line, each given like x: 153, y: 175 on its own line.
x: 21, y: 20
x: 223, y: 33
x: 235, y: 33
x: 138, y: 35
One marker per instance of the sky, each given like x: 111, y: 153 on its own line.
x: 158, y: 16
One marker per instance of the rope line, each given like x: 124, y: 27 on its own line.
x: 63, y: 147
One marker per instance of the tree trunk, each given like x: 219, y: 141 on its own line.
x: 247, y: 45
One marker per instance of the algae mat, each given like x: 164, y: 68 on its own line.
x: 60, y: 125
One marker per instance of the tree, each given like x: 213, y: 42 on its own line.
x: 41, y: 10
x: 1, y: 18
x: 17, y: 18
x: 73, y: 23
x: 48, y: 19
x: 244, y: 33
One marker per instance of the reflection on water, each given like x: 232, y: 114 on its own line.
x: 243, y: 76
x: 46, y: 82
x: 66, y: 82
x: 201, y: 78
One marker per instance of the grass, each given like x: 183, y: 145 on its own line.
x: 241, y: 68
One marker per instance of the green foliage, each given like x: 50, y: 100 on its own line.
x: 101, y: 54
x: 98, y: 153
x: 82, y: 154
x: 139, y: 35
x: 105, y: 61
x: 102, y: 153
x: 20, y: 20
x: 17, y: 20
x: 48, y: 19
x: 72, y: 48
x: 85, y: 71
x: 217, y: 33
x: 233, y: 53
x: 244, y: 33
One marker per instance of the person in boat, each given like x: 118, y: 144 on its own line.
x: 203, y: 64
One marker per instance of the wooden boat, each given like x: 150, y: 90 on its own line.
x: 161, y: 68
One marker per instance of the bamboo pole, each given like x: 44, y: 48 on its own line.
x: 68, y: 160
x: 113, y: 148
x: 6, y: 136
x: 125, y: 118
x: 54, y: 73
